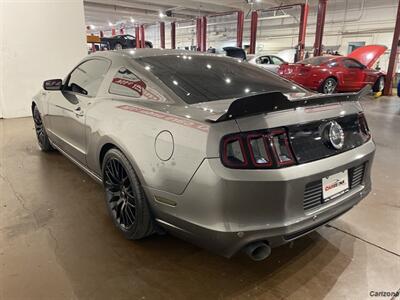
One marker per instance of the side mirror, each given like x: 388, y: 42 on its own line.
x: 52, y: 85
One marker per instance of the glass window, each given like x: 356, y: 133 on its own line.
x: 126, y: 83
x: 276, y: 60
x: 263, y: 60
x: 202, y: 78
x: 352, y: 64
x: 87, y: 77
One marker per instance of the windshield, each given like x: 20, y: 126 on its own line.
x: 199, y: 78
x: 316, y: 61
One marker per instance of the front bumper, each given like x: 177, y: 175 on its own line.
x: 223, y: 209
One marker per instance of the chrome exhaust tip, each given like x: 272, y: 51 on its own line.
x: 257, y: 251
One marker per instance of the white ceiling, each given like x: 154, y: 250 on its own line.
x: 100, y: 12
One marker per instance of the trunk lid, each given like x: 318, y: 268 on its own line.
x: 368, y: 55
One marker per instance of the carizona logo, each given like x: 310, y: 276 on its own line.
x: 334, y: 184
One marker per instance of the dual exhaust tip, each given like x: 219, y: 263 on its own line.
x: 257, y: 251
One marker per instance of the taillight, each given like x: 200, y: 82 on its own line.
x: 364, y: 126
x: 280, y: 145
x: 257, y: 150
x: 234, y: 154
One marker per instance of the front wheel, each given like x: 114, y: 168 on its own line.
x: 126, y: 201
x: 41, y: 134
x: 329, y: 86
x: 379, y: 85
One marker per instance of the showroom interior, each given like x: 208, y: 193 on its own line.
x: 314, y: 214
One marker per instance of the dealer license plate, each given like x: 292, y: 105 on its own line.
x: 335, y: 185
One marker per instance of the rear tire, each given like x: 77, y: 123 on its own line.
x: 125, y: 198
x: 41, y: 134
x: 379, y: 85
x: 329, y: 86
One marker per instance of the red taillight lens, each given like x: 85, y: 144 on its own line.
x: 259, y: 151
x: 233, y: 152
x: 254, y: 150
x: 282, y: 151
x: 364, y: 126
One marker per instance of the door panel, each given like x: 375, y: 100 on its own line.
x: 67, y: 123
x: 67, y: 107
x: 353, y: 75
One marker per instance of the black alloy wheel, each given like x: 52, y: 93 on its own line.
x: 125, y: 197
x: 119, y: 194
x: 43, y: 139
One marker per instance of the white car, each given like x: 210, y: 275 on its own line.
x: 268, y: 62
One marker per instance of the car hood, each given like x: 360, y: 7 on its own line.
x: 368, y: 55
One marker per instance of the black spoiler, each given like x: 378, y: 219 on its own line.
x: 276, y: 101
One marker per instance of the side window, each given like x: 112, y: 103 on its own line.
x: 276, y: 60
x: 263, y: 60
x: 87, y: 77
x: 352, y: 64
x: 128, y: 84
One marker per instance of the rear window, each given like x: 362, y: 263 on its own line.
x: 315, y: 61
x: 199, y: 78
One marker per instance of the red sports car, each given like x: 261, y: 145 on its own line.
x: 329, y: 74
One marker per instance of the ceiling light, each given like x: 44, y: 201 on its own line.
x: 161, y: 14
x: 132, y: 20
x: 209, y: 66
x: 92, y: 27
x: 110, y: 24
x: 175, y: 82
x: 247, y: 90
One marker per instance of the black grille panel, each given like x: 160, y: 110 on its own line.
x: 313, y: 191
x: 313, y: 195
x: 356, y: 176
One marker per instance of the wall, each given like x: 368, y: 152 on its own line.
x: 40, y: 39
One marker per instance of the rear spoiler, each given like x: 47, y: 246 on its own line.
x: 276, y: 101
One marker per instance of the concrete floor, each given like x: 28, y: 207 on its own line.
x: 57, y: 241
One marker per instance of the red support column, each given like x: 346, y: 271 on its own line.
x: 198, y: 34
x: 393, y: 56
x: 162, y: 35
x: 253, y: 31
x: 320, y: 27
x: 302, y: 31
x: 203, y: 34
x: 137, y: 36
x: 173, y: 35
x: 240, y: 25
x: 113, y: 32
x: 142, y: 37
x: 101, y: 33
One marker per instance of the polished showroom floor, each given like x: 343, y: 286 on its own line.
x: 57, y: 241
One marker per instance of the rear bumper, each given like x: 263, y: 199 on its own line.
x: 223, y: 210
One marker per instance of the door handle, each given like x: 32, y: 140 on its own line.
x: 78, y: 111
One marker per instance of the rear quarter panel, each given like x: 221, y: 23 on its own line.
x: 133, y: 128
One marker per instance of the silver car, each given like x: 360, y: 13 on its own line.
x: 268, y: 62
x: 208, y: 148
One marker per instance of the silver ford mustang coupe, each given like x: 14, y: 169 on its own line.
x: 216, y: 151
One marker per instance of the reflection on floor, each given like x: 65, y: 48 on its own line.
x: 57, y: 241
